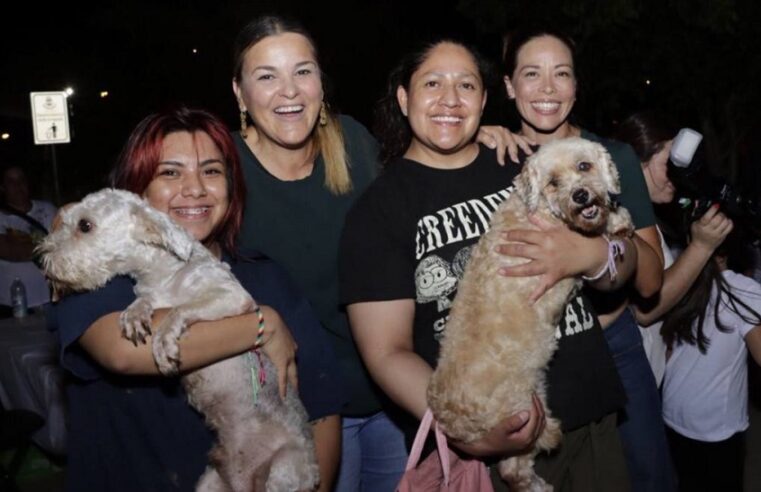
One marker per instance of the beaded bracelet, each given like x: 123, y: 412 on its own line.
x: 260, y: 333
x: 616, y: 249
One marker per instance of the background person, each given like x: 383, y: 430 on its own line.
x: 23, y: 222
x: 433, y: 168
x: 651, y: 139
x: 705, y: 389
x: 129, y: 427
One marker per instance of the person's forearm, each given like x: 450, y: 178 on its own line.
x: 203, y: 343
x: 677, y: 280
x: 403, y: 376
x: 648, y: 278
x: 327, y: 443
x: 625, y: 265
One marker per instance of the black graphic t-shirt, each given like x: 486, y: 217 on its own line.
x: 409, y: 237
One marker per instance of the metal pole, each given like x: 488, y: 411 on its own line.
x: 55, y: 176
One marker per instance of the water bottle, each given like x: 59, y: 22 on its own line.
x: 18, y: 298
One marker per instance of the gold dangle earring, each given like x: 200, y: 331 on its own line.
x: 323, y: 114
x: 243, y: 124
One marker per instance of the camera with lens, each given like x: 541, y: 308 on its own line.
x: 698, y: 189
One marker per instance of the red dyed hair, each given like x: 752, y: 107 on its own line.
x: 142, y: 153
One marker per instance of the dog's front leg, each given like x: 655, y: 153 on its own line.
x: 135, y: 321
x: 166, y: 341
x: 213, y: 305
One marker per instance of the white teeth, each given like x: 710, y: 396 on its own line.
x: 289, y: 109
x: 447, y: 119
x: 590, y: 212
x: 191, y: 211
x: 546, y: 106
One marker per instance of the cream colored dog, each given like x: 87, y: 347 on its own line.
x: 497, y: 344
x: 262, y: 445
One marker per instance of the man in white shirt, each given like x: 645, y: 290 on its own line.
x: 23, y: 222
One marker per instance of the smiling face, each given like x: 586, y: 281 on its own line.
x: 543, y: 86
x: 659, y: 186
x: 443, y: 104
x: 190, y: 183
x: 280, y: 87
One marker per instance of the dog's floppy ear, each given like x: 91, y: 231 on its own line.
x: 608, y: 171
x: 154, y: 227
x: 528, y: 184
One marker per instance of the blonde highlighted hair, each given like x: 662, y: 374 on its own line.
x: 328, y: 138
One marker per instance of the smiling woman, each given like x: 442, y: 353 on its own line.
x: 540, y: 77
x: 183, y: 162
x: 304, y: 166
x: 190, y: 183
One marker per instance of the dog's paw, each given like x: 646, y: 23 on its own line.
x: 620, y: 223
x: 551, y: 436
x: 135, y: 321
x: 518, y: 472
x: 166, y: 350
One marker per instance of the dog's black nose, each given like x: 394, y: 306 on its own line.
x: 580, y: 196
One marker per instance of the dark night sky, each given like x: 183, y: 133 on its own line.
x: 141, y: 52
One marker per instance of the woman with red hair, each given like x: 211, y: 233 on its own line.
x: 131, y: 428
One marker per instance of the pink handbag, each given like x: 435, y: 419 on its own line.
x: 442, y: 471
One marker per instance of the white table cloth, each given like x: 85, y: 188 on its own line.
x: 31, y: 377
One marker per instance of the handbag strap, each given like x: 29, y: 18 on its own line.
x: 441, y: 445
x: 420, y: 437
x: 443, y: 449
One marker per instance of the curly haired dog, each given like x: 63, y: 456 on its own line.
x: 265, y: 445
x: 497, y: 344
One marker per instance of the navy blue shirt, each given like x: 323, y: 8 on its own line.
x: 139, y: 433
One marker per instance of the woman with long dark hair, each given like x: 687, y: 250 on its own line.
x: 705, y: 388
x: 406, y: 242
x: 541, y: 79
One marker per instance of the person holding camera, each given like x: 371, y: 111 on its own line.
x: 651, y: 140
x: 702, y: 301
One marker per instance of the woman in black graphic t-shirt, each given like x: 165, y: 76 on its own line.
x: 407, y: 240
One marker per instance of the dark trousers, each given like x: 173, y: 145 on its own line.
x: 589, y: 459
x: 640, y: 426
x: 708, y: 466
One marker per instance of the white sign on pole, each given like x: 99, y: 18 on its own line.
x: 50, y: 117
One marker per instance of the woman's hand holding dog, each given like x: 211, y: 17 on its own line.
x: 513, y: 435
x: 555, y: 252
x: 280, y: 347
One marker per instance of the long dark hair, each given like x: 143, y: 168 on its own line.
x: 684, y: 323
x: 646, y: 132
x: 391, y: 127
